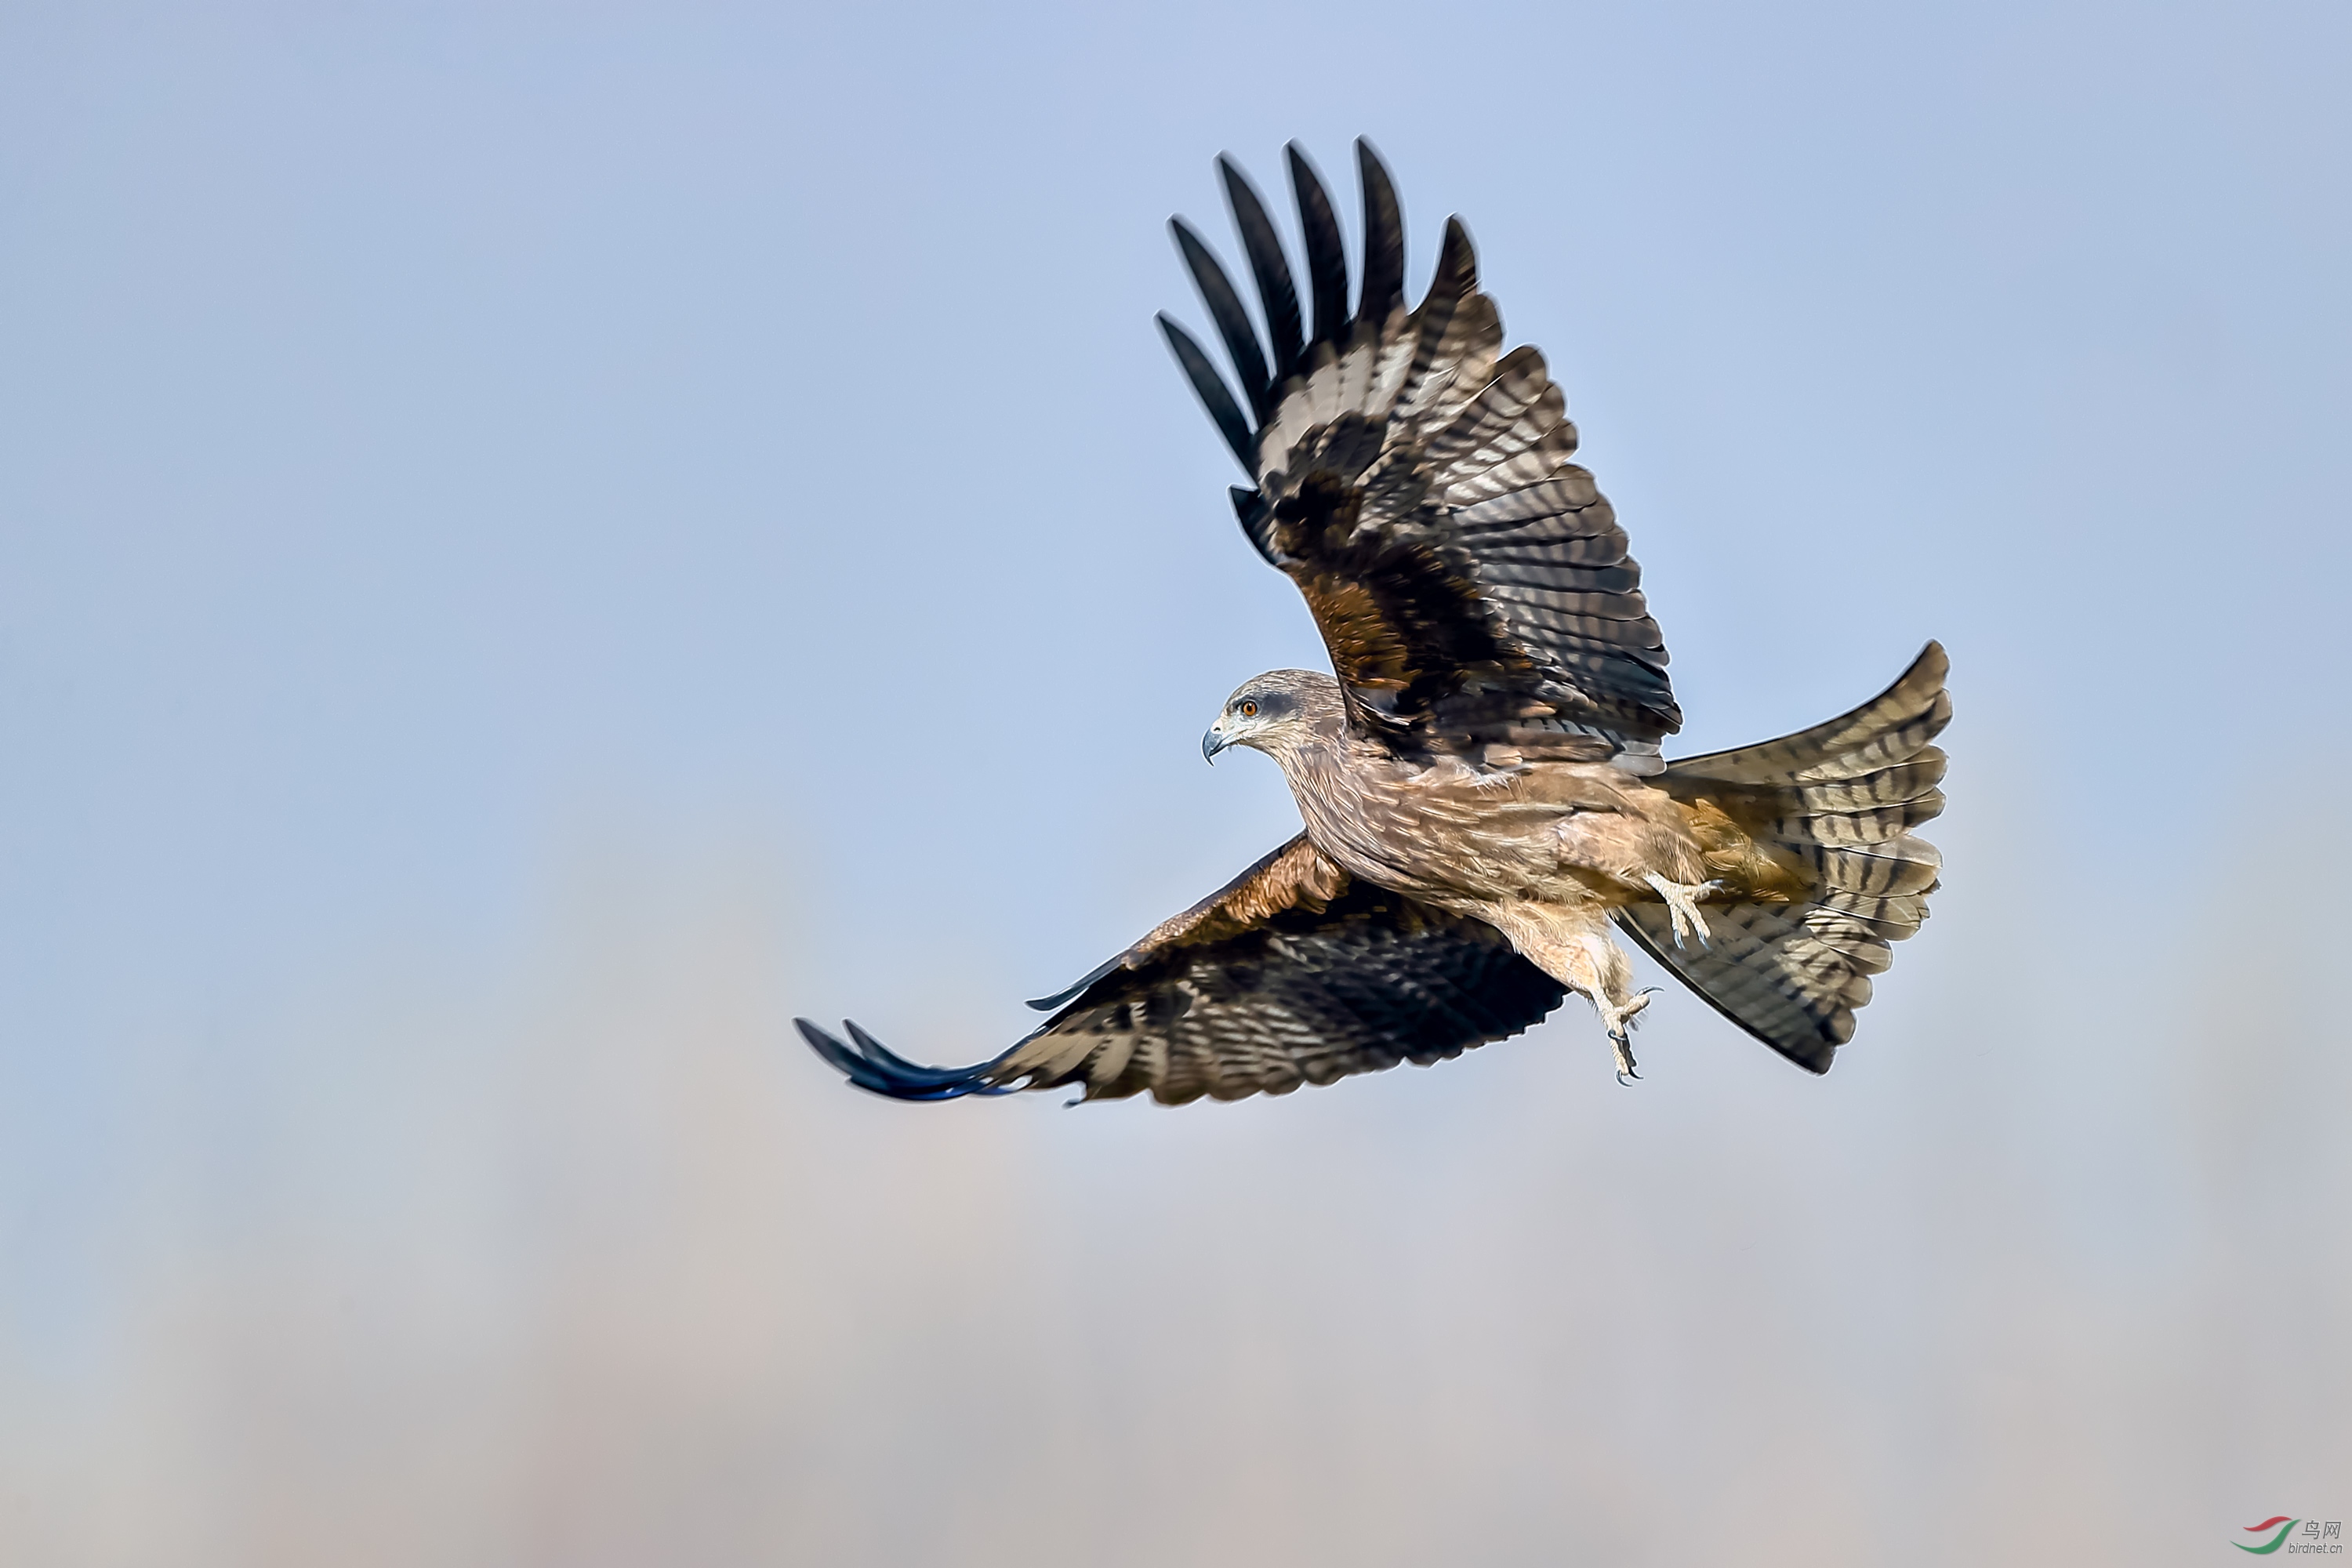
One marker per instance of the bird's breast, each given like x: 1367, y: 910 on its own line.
x: 1394, y: 827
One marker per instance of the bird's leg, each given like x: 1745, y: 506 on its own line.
x: 1597, y: 968
x: 1619, y: 1019
x: 1682, y: 905
x: 1573, y: 947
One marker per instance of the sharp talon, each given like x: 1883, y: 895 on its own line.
x: 1624, y: 1046
x: 1682, y: 907
x: 1628, y: 1080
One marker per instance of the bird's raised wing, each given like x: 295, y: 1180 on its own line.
x: 1471, y: 583
x: 1291, y: 973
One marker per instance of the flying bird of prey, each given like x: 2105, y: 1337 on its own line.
x: 1479, y: 776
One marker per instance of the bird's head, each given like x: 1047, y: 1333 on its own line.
x: 1278, y: 712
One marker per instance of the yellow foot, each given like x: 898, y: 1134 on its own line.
x: 1682, y: 904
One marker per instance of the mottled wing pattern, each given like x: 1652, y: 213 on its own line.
x: 1472, y: 585
x: 1833, y: 806
x: 1292, y: 973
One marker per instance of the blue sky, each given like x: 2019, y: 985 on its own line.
x: 497, y: 497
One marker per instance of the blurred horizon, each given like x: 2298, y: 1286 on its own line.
x: 537, y: 544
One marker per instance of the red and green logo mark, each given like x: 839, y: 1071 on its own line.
x: 2279, y: 1523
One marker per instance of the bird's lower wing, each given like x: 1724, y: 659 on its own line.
x: 1292, y: 973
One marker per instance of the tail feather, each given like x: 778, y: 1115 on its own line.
x: 1894, y: 869
x: 1892, y: 918
x: 1898, y: 785
x: 1843, y: 829
x: 1891, y: 727
x: 1835, y: 805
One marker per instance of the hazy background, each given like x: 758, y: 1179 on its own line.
x: 537, y: 542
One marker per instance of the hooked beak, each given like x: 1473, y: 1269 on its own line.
x: 1214, y: 741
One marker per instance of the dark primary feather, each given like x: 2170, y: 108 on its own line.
x: 1269, y: 267
x: 872, y: 1066
x: 1472, y: 585
x: 1212, y: 391
x: 1291, y: 973
x: 1383, y: 238
x: 1233, y: 320
x: 1327, y: 261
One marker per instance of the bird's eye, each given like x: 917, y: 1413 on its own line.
x: 1249, y: 710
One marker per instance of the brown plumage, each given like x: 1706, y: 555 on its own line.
x: 1479, y: 777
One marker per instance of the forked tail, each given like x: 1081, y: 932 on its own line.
x: 1833, y: 806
